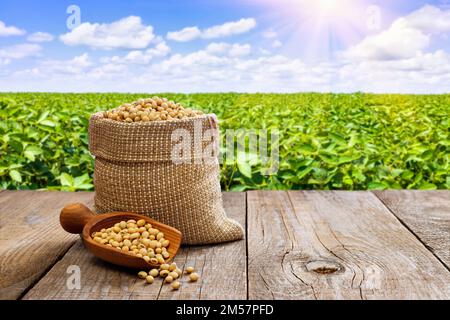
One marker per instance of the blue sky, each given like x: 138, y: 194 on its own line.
x: 246, y: 45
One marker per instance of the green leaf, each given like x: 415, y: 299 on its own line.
x: 80, y: 180
x: 303, y: 173
x: 377, y: 186
x: 243, y: 165
x: 48, y: 123
x: 66, y: 180
x: 329, y: 159
x: 239, y: 188
x: 359, y: 176
x: 427, y: 155
x: 407, y: 175
x: 15, y: 166
x: 15, y: 175
x: 347, y: 180
x: 16, y: 145
x: 245, y: 168
x: 338, y: 137
x: 396, y: 172
x: 346, y: 159
x: 85, y: 186
x: 427, y: 186
x: 32, y: 151
x: 306, y: 148
x: 43, y: 116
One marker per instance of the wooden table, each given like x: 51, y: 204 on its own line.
x: 299, y: 245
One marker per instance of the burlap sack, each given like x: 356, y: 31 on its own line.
x: 135, y: 172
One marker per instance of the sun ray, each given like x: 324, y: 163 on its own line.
x: 317, y: 29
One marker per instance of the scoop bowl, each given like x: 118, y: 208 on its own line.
x: 78, y: 219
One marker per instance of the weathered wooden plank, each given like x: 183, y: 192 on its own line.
x: 100, y: 280
x: 222, y: 267
x: 426, y: 213
x: 335, y: 245
x: 31, y: 240
x: 96, y: 279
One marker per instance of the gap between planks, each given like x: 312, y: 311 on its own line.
x: 46, y: 271
x: 427, y: 217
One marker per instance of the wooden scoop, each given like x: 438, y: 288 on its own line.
x: 77, y: 218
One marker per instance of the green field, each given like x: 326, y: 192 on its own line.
x: 328, y: 141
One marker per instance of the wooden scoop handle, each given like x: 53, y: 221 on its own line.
x: 74, y: 217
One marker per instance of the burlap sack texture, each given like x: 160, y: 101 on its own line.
x: 134, y: 172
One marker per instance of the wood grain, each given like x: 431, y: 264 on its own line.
x: 426, y: 213
x: 31, y: 240
x: 335, y: 245
x: 222, y: 267
x: 100, y: 280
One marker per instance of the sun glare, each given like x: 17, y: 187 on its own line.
x: 329, y: 8
x: 327, y: 4
x: 316, y: 29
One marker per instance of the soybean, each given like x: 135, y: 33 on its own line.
x: 164, y: 266
x: 150, y: 109
x: 164, y: 273
x: 172, y: 266
x: 175, y: 285
x: 189, y: 269
x: 149, y: 279
x: 193, y: 276
x: 138, y: 238
x: 154, y: 272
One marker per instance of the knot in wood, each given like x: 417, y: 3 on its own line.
x: 324, y: 266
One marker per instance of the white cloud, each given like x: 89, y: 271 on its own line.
x: 128, y: 33
x: 276, y: 44
x: 397, y: 42
x: 6, y: 31
x: 140, y: 56
x: 226, y: 73
x: 20, y: 51
x: 81, y: 61
x: 423, y: 73
x: 395, y: 60
x: 214, y: 69
x: 185, y: 34
x: 429, y: 19
x: 232, y: 50
x: 217, y: 47
x: 109, y: 71
x: 238, y: 50
x: 269, y: 34
x: 40, y: 37
x: 229, y: 28
x: 74, y: 66
x: 264, y: 52
x: 219, y: 31
x: 405, y: 38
